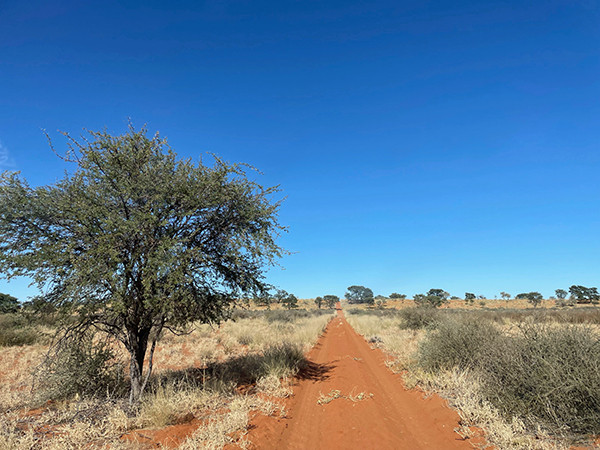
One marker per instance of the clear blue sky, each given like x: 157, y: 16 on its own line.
x: 424, y: 144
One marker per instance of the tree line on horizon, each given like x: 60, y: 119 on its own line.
x: 436, y: 297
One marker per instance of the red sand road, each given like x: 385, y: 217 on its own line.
x: 387, y: 417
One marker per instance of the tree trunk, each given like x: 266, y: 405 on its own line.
x: 138, y: 343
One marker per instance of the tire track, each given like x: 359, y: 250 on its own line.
x: 349, y: 399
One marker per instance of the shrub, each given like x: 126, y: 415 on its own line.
x: 419, y: 317
x: 14, y: 330
x: 430, y: 300
x: 457, y: 342
x: 82, y: 365
x: 544, y: 374
x: 547, y: 374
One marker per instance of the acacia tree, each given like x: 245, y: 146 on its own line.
x: 470, y: 298
x: 331, y: 300
x: 360, y: 294
x: 561, y: 294
x: 134, y: 242
x: 319, y: 302
x: 584, y: 294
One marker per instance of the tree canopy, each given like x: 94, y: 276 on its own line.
x: 584, y: 294
x: 330, y: 300
x: 534, y: 298
x: 8, y: 303
x: 360, y: 294
x: 134, y: 241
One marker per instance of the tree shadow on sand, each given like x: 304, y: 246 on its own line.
x: 245, y: 370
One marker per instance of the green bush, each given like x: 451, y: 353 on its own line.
x: 81, y: 365
x: 460, y: 341
x: 545, y: 374
x: 419, y: 317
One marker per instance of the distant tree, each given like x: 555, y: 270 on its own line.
x: 396, y: 296
x: 8, y: 304
x: 521, y: 296
x: 561, y: 294
x: 284, y: 298
x: 428, y: 300
x: 505, y: 295
x: 583, y: 294
x: 135, y: 242
x: 290, y: 301
x: 454, y: 297
x: 319, y: 302
x: 534, y: 298
x: 442, y: 294
x: 360, y: 294
x: 470, y: 298
x: 279, y: 295
x: 331, y: 300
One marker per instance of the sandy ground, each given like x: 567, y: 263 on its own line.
x: 348, y: 399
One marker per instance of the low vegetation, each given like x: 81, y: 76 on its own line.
x: 529, y: 378
x: 209, y: 378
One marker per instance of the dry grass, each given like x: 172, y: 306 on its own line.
x: 194, y: 377
x: 461, y: 388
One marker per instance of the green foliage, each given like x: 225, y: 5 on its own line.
x: 396, y: 296
x: 438, y: 293
x: 470, y: 298
x: 8, y: 304
x: 433, y: 299
x: 331, y: 300
x: 561, y: 294
x: 418, y: 318
x: 532, y: 297
x: 133, y: 240
x: 505, y: 295
x: 80, y: 365
x: 319, y: 302
x: 360, y: 294
x: 290, y: 301
x: 584, y: 294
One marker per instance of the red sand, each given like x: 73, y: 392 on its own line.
x: 387, y: 417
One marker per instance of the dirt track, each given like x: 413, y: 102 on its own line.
x: 371, y: 411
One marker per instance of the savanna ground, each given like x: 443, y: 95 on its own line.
x: 528, y: 378
x: 206, y: 386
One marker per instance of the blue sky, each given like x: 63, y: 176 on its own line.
x: 431, y: 144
